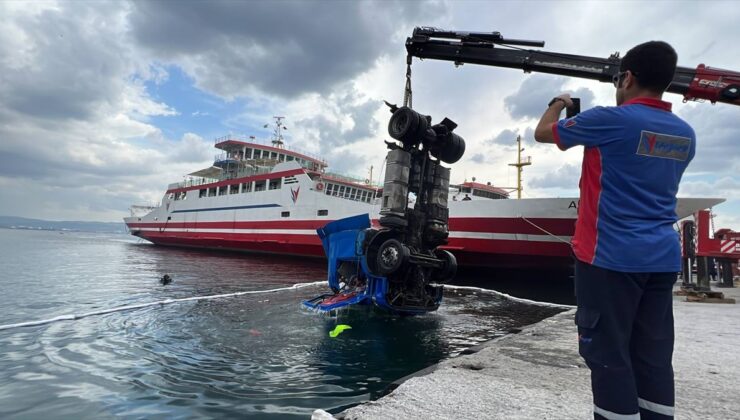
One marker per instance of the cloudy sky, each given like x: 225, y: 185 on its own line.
x: 102, y: 104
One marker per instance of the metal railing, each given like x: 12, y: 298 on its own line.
x: 261, y: 142
x: 346, y: 178
x: 241, y: 173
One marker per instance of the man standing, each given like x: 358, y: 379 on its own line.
x: 626, y: 251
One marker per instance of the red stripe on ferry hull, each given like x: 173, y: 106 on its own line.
x: 304, y: 245
x: 538, y: 226
x: 509, y: 253
x: 517, y: 225
x: 266, y: 224
x: 468, y: 251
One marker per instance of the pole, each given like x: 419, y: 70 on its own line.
x: 702, y: 274
x: 519, y: 166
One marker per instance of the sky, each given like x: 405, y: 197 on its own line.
x: 103, y: 104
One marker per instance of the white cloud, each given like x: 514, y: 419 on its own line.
x: 75, y: 110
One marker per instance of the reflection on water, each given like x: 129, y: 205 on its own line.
x: 254, y: 355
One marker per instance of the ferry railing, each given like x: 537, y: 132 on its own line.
x: 197, y: 181
x: 340, y: 177
x: 307, y: 164
x: 261, y: 142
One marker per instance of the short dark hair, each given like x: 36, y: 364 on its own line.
x: 653, y: 63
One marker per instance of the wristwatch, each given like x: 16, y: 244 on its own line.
x: 557, y: 99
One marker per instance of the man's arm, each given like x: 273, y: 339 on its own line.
x: 543, y: 133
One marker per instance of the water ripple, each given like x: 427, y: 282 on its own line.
x: 247, y: 356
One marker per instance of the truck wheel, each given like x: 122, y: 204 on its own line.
x: 448, y: 272
x: 392, y: 255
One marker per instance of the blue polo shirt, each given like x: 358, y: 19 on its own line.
x: 633, y: 160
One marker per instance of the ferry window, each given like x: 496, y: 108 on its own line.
x: 353, y: 194
x: 171, y: 196
x: 465, y: 190
x: 328, y: 188
x: 364, y: 196
x: 341, y: 191
x: 184, y: 195
x: 259, y: 185
x: 289, y: 158
x: 347, y: 192
x: 281, y: 157
x: 203, y: 193
x: 273, y: 155
x: 248, y: 153
x: 222, y: 190
x: 285, y: 214
x: 174, y: 196
x: 275, y: 184
x: 212, y: 192
x: 322, y: 213
x: 246, y: 187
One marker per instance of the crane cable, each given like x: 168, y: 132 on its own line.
x: 407, y: 94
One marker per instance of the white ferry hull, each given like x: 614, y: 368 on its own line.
x: 527, y: 233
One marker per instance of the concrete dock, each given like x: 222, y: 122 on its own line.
x: 538, y: 374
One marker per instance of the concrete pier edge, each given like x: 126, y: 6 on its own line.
x: 537, y: 373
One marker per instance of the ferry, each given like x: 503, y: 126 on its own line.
x: 262, y: 197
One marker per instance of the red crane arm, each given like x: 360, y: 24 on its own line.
x: 492, y: 49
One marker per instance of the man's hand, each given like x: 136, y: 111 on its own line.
x: 566, y: 98
x: 543, y: 133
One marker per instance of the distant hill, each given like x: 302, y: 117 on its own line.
x: 11, y: 222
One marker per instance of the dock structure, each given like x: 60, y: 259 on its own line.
x: 538, y: 373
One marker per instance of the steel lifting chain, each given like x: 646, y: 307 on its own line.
x: 407, y: 94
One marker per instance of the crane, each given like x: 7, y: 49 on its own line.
x: 702, y: 83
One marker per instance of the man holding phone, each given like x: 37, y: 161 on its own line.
x: 626, y: 251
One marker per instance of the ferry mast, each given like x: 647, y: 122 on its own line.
x: 520, y: 164
x: 277, y: 135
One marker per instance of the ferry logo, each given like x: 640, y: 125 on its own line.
x: 663, y: 146
x: 294, y: 194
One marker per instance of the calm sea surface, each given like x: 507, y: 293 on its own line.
x: 259, y: 356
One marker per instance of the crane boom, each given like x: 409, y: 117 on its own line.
x: 492, y: 49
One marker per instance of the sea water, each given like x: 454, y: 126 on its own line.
x: 259, y: 356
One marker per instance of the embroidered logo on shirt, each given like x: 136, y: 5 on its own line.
x: 570, y: 123
x: 664, y: 146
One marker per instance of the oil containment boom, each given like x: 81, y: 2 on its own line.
x: 492, y: 49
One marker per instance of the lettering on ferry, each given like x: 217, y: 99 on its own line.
x: 573, y: 204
